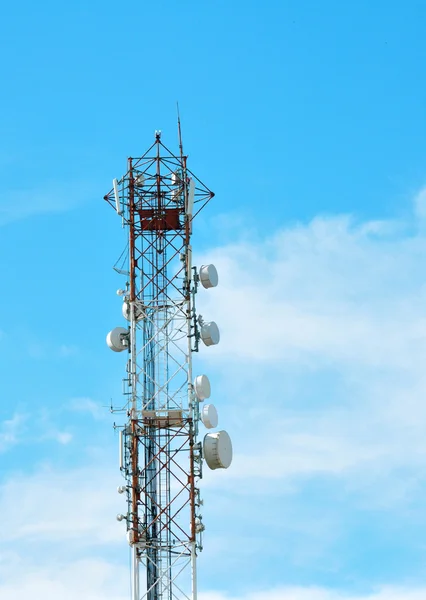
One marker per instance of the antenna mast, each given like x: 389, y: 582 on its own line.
x: 179, y: 131
x: 161, y: 457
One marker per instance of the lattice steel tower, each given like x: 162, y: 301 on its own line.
x: 161, y: 457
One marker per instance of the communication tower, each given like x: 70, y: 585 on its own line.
x: 161, y: 455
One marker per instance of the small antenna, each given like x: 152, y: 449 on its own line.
x: 179, y: 131
x: 117, y: 197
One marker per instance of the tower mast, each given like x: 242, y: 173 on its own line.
x: 161, y: 457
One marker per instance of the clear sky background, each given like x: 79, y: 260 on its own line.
x: 307, y: 119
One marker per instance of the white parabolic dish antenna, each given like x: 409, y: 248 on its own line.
x: 202, y: 387
x: 209, y: 416
x: 115, y: 339
x: 139, y: 314
x: 208, y: 276
x: 210, y: 334
x: 217, y: 450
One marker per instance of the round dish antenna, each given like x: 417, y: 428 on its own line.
x: 139, y: 313
x: 209, y: 416
x: 202, y: 387
x: 217, y: 450
x: 208, y: 276
x: 117, y: 339
x: 210, y: 333
x: 199, y: 525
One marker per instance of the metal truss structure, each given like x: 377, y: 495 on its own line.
x: 160, y: 455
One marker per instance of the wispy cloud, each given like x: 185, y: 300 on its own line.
x: 93, y: 578
x: 319, y: 377
x: 63, y: 437
x: 420, y: 204
x: 316, y: 593
x: 326, y: 292
x: 87, y: 405
x: 32, y: 427
x: 100, y: 579
x: 77, y: 504
x: 66, y: 350
x: 334, y: 311
x: 42, y: 350
x: 53, y: 197
x: 11, y: 431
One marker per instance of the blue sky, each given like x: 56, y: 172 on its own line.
x: 307, y: 120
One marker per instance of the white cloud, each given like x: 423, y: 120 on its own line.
x: 11, y: 431
x: 316, y: 593
x: 327, y: 292
x: 27, y: 427
x: 57, y: 505
x: 98, y: 579
x: 43, y: 424
x: 333, y: 297
x: 91, y: 579
x: 330, y: 297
